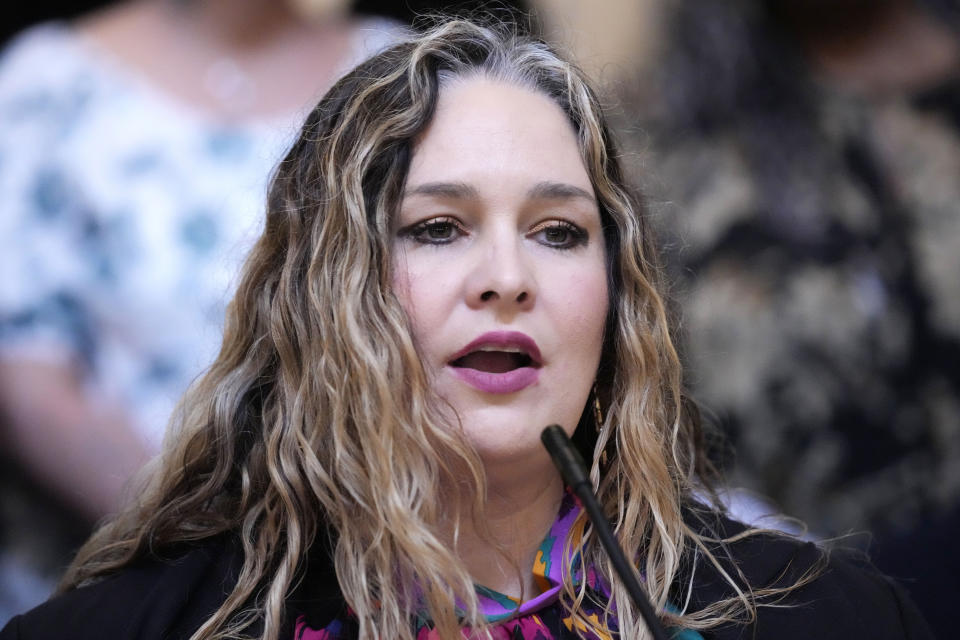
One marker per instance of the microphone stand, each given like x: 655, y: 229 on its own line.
x: 568, y: 460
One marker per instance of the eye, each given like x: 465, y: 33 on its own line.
x: 559, y: 234
x: 441, y: 230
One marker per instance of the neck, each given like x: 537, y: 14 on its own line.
x: 234, y: 59
x: 237, y: 25
x: 518, y: 515
x: 888, y: 47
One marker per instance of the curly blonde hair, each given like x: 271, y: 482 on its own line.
x: 317, y: 412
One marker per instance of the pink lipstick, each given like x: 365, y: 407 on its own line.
x: 498, y: 362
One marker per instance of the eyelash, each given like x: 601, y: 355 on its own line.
x: 420, y: 231
x: 576, y: 237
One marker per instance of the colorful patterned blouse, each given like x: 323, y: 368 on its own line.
x: 541, y: 618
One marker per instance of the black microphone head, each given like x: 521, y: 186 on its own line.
x: 565, y: 456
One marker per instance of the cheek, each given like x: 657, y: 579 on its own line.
x: 586, y: 304
x: 582, y: 320
x: 420, y: 289
x: 588, y: 319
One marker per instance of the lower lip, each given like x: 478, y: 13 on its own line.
x: 507, y: 382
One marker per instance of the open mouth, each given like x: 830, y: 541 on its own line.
x: 500, y: 360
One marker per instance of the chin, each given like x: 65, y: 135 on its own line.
x: 515, y: 441
x: 509, y: 432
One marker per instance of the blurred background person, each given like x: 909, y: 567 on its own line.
x: 135, y: 147
x: 806, y: 158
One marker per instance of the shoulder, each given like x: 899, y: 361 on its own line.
x: 157, y: 598
x: 39, y: 43
x: 373, y: 34
x: 43, y: 61
x: 50, y: 85
x: 835, y: 594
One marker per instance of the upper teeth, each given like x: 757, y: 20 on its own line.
x: 503, y: 349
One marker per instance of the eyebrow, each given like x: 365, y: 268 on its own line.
x: 456, y: 190
x: 463, y: 191
x: 558, y: 191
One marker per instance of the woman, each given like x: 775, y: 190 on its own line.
x: 451, y: 261
x: 144, y: 134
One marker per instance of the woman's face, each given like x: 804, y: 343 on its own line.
x: 499, y: 264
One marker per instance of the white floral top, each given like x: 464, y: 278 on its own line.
x: 124, y: 217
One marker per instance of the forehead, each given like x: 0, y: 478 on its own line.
x: 484, y: 127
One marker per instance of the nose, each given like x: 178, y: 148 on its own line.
x: 503, y: 277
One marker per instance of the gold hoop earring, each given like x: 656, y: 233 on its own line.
x: 598, y: 419
x: 597, y: 411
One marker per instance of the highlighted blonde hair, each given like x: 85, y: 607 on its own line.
x: 317, y: 415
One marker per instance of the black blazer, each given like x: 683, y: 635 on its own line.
x: 169, y: 599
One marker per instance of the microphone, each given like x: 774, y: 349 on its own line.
x: 568, y: 460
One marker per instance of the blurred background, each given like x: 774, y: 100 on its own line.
x: 801, y: 160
